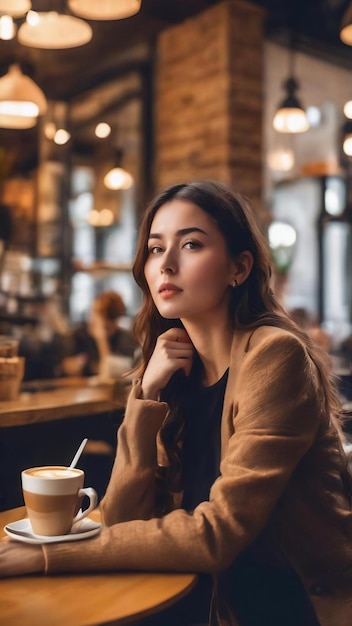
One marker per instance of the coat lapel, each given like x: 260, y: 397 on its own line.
x: 239, y: 348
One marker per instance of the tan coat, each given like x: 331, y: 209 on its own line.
x: 280, y: 464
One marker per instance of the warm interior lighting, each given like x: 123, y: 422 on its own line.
x: 118, y: 178
x: 281, y: 160
x: 61, y: 136
x: 105, y: 9
x: 347, y: 138
x: 16, y: 8
x: 102, y: 130
x: 290, y: 120
x: 105, y: 217
x: 21, y: 100
x: 346, y: 26
x: 7, y: 28
x: 50, y: 130
x: 290, y: 116
x: 24, y: 108
x: 347, y: 145
x: 347, y: 109
x: 52, y: 30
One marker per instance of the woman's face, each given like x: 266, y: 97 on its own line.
x: 188, y: 269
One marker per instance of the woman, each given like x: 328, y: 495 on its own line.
x: 229, y: 461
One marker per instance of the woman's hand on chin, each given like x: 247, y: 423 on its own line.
x: 173, y: 351
x: 17, y: 559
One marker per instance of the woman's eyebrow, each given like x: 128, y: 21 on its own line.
x: 179, y: 233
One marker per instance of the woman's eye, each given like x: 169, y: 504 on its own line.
x: 154, y: 249
x: 192, y: 245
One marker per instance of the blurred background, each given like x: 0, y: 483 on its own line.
x: 102, y: 106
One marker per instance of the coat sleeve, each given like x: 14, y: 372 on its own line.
x: 131, y: 490
x: 276, y: 416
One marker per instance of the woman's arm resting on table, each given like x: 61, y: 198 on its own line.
x: 17, y: 559
x: 278, y: 416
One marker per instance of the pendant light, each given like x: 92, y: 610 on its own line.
x: 21, y: 100
x: 118, y: 177
x: 290, y: 116
x: 104, y: 9
x: 53, y: 30
x: 347, y: 138
x: 346, y: 26
x: 15, y: 8
x: 10, y: 9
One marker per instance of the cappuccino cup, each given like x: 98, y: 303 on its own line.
x: 53, y: 496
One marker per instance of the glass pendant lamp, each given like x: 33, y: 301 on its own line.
x: 346, y: 26
x: 118, y: 178
x: 290, y: 116
x: 21, y: 100
x: 15, y: 8
x: 53, y: 30
x: 104, y: 9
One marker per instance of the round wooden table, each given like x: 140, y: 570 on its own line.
x: 85, y: 600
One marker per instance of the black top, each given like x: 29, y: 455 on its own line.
x: 264, y: 588
x: 201, y: 442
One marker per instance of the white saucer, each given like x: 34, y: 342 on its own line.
x: 22, y: 531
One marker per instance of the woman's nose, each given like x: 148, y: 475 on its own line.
x: 168, y: 264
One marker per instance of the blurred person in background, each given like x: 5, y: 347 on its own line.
x: 101, y: 347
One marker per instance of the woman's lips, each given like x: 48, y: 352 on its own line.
x: 168, y: 290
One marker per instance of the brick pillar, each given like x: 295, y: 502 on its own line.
x: 209, y: 99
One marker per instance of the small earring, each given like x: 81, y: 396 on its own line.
x: 234, y: 283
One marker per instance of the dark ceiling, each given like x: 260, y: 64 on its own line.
x: 310, y: 25
x: 314, y: 24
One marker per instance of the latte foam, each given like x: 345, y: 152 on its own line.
x: 52, y: 480
x: 53, y: 473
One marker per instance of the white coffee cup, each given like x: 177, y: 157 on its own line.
x: 53, y: 495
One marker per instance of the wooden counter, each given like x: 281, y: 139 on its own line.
x: 46, y: 424
x: 60, y: 399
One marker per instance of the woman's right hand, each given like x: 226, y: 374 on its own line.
x: 173, y: 351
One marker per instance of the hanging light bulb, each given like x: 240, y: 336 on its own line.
x: 290, y: 116
x: 347, y: 109
x: 102, y: 130
x: 347, y: 138
x: 53, y: 30
x: 61, y: 136
x: 346, y: 26
x: 105, y: 9
x: 21, y: 100
x: 118, y: 178
x: 7, y: 28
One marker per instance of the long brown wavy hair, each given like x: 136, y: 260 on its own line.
x: 251, y: 305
